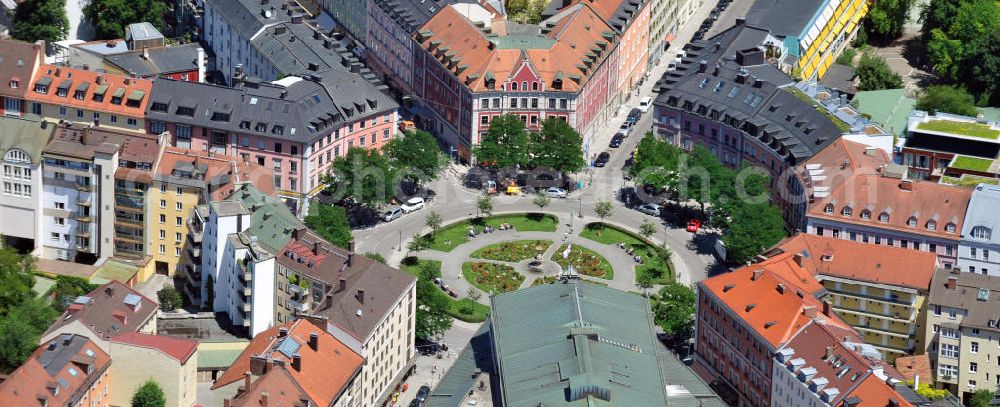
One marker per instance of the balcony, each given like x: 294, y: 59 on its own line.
x: 873, y: 314
x: 247, y: 291
x: 83, y: 202
x: 295, y: 288
x: 247, y: 277
x: 84, y: 187
x: 298, y: 306
x: 84, y: 249
x: 195, y: 232
x: 122, y: 202
x: 895, y: 301
x: 84, y: 234
x: 246, y: 321
x: 129, y: 238
x: 129, y: 222
x: 246, y: 307
x: 79, y: 217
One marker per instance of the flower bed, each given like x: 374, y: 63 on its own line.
x: 492, y: 277
x: 658, y: 268
x: 585, y: 261
x: 513, y: 251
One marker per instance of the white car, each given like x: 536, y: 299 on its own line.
x: 412, y: 205
x: 671, y: 66
x: 555, y: 192
x: 645, y: 103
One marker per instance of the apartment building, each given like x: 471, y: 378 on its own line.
x: 133, y: 180
x: 890, y: 209
x: 880, y: 291
x: 91, y: 97
x: 962, y: 332
x: 950, y: 148
x: 18, y: 67
x: 67, y: 370
x: 21, y: 197
x: 389, y: 39
x: 109, y: 311
x: 229, y: 27
x: 745, y: 316
x: 813, y: 32
x: 295, y: 363
x: 172, y: 362
x: 977, y: 244
x: 184, y: 62
x: 665, y: 20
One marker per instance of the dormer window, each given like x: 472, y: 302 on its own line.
x: 950, y: 227
x: 829, y: 208
x: 513, y: 86
x: 912, y: 222
x: 981, y: 232
x: 883, y: 217
x: 866, y: 214
x: 80, y: 95
x: 185, y: 111
x: 39, y: 88
x: 931, y: 225
x: 261, y: 127
x: 220, y: 117
x: 846, y: 211
x: 159, y: 107
x: 14, y: 83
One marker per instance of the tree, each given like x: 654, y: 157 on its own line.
x: 645, y: 282
x: 170, y: 299
x: 110, y: 17
x: 963, y: 40
x: 66, y: 290
x: 432, y: 317
x: 674, y: 312
x: 875, y: 74
x: 981, y: 398
x: 41, y: 20
x: 417, y: 155
x: 474, y: 294
x: 149, y: 395
x: 330, y: 222
x: 485, y: 205
x: 557, y: 146
x: 21, y: 326
x: 937, y: 14
x: 15, y: 278
x: 647, y: 228
x: 365, y: 175
x: 603, y: 209
x: 541, y: 201
x: 505, y: 144
x: 948, y: 99
x: 753, y: 228
x: 887, y: 17
x: 433, y: 221
x: 655, y: 162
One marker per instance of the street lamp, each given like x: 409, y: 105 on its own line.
x: 580, y: 214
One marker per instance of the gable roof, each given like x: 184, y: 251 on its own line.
x: 323, y: 374
x: 830, y: 353
x: 57, y: 372
x: 775, y: 297
x: 873, y: 391
x: 832, y: 257
x: 180, y: 349
x: 977, y: 293
x: 912, y: 366
x: 111, y: 310
x: 220, y: 175
x: 982, y: 212
x: 158, y: 61
x: 28, y: 135
x: 18, y: 62
x: 132, y: 93
x: 569, y: 344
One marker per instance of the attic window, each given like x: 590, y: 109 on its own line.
x: 829, y: 208
x: 220, y: 117
x: 981, y: 232
x: 185, y: 111
x: 866, y: 214
x: 261, y: 127
x: 846, y: 211
x: 279, y: 130
x: 912, y: 221
x: 883, y: 217
x: 931, y: 225
x: 950, y: 227
x: 157, y: 106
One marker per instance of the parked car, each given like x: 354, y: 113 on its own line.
x: 616, y: 141
x: 392, y: 214
x: 554, y: 192
x: 693, y: 225
x: 633, y: 116
x: 429, y: 195
x: 698, y: 35
x: 422, y: 393
x: 650, y: 209
x: 628, y: 196
x: 645, y: 103
x: 670, y: 67
x: 413, y: 204
x: 602, y: 159
x: 427, y: 346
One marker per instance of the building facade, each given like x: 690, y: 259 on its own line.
x: 171, y: 362
x: 19, y: 66
x: 90, y: 97
x: 21, y: 206
x: 949, y: 148
x: 977, y: 244
x: 69, y: 370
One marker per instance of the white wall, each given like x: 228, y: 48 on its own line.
x: 262, y: 297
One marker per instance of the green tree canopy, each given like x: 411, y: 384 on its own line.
x: 485, y: 205
x: 875, y: 74
x: 674, y: 312
x: 365, y: 175
x: 149, y: 395
x: 981, y: 398
x: 557, y: 146
x: 41, y: 20
x: 505, y: 144
x: 110, y: 17
x: 432, y: 317
x: 963, y: 40
x: 15, y: 278
x: 655, y: 162
x: 67, y: 288
x: 887, y: 17
x: 752, y: 229
x: 948, y: 99
x: 170, y: 299
x: 21, y: 326
x: 330, y: 222
x: 417, y: 155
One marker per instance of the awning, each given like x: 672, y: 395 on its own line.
x: 83, y: 87
x: 45, y: 81
x: 65, y: 84
x: 118, y: 93
x: 136, y: 95
x: 101, y: 90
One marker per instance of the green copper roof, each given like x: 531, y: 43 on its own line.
x: 114, y: 270
x: 523, y: 41
x: 271, y: 221
x: 576, y: 345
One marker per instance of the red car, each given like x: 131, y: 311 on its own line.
x: 693, y: 225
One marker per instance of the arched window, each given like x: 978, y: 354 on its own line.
x: 931, y: 224
x: 912, y: 221
x: 866, y: 214
x: 883, y: 217
x: 513, y: 86
x: 17, y: 156
x: 981, y: 232
x: 950, y: 227
x: 846, y: 211
x: 829, y: 208
x: 524, y: 85
x: 534, y: 85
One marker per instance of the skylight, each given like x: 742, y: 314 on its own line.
x: 289, y: 347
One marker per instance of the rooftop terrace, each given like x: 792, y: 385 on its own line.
x: 961, y: 128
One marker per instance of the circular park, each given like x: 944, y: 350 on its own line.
x: 471, y: 259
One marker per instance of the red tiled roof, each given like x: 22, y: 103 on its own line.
x: 873, y: 391
x: 830, y: 256
x: 99, y: 313
x: 278, y: 386
x: 812, y: 344
x: 911, y: 366
x: 771, y: 297
x: 18, y: 62
x: 61, y: 363
x: 231, y: 169
x: 178, y: 348
x: 324, y: 372
x: 110, y: 83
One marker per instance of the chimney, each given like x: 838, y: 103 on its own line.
x: 906, y: 185
x: 702, y: 66
x: 246, y: 380
x: 361, y: 296
x: 316, y: 247
x: 826, y: 309
x: 350, y: 245
x: 343, y: 285
x: 263, y: 399
x: 829, y: 353
x: 350, y: 256
x: 201, y: 65
x: 145, y: 52
x: 314, y: 341
x: 809, y: 311
x: 282, y: 332
x: 798, y: 259
x: 952, y: 282
x: 781, y: 288
x: 756, y: 274
x: 297, y: 362
x: 109, y: 290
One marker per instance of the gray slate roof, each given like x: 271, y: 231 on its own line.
x: 249, y: 16
x: 735, y: 91
x: 141, y: 32
x: 982, y: 211
x: 783, y: 18
x: 162, y: 60
x: 576, y: 345
x: 966, y: 296
x: 30, y: 136
x: 412, y: 14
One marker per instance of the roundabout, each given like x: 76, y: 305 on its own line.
x: 506, y: 260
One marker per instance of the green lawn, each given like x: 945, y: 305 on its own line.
x: 961, y: 128
x: 844, y: 127
x: 972, y: 163
x: 456, y: 234
x: 653, y: 265
x: 585, y: 261
x: 969, y: 180
x: 492, y: 277
x: 513, y: 251
x: 464, y: 309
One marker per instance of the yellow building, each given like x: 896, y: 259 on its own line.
x: 169, y: 361
x: 813, y: 32
x: 881, y: 291
x: 175, y: 192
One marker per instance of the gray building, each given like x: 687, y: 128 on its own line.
x: 21, y: 144
x: 978, y: 250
